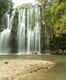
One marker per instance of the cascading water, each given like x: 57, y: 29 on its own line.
x: 29, y: 30
x: 5, y: 34
x: 37, y: 30
x: 21, y: 31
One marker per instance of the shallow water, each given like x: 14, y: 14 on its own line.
x: 56, y: 73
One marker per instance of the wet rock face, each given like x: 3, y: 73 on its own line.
x: 18, y: 69
x: 1, y: 28
x: 60, y: 51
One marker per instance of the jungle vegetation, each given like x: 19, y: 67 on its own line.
x: 4, y: 7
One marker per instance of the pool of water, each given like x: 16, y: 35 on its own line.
x: 59, y: 71
x: 56, y: 73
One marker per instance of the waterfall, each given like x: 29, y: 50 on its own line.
x: 47, y: 36
x: 29, y: 30
x: 37, y: 30
x: 5, y: 34
x: 21, y: 31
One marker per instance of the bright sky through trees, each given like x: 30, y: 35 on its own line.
x: 19, y: 2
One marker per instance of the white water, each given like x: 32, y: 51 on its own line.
x: 5, y: 34
x: 21, y: 31
x: 28, y: 31
x: 37, y: 30
x: 28, y: 35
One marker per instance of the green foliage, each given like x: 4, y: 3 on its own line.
x: 55, y: 16
x: 65, y: 51
x: 5, y: 6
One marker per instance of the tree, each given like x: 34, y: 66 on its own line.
x: 5, y: 6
